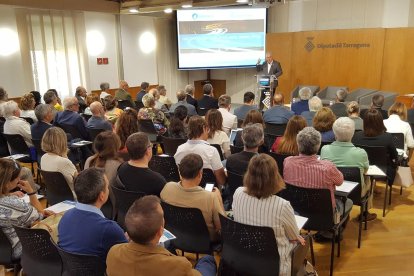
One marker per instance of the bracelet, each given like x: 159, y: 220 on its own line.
x: 32, y: 193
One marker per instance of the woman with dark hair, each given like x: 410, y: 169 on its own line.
x: 178, y: 122
x: 13, y: 210
x: 252, y: 117
x: 287, y: 143
x: 374, y: 134
x: 216, y: 135
x: 323, y: 122
x: 112, y: 112
x: 256, y: 203
x: 126, y: 124
x: 37, y: 97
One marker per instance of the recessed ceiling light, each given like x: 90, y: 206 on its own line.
x: 133, y: 10
x: 186, y: 6
x: 169, y: 10
x: 242, y: 1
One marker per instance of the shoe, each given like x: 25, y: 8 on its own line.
x: 370, y: 216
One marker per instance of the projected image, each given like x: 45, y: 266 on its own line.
x: 220, y: 37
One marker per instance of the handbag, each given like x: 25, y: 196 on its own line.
x: 403, y: 177
x: 50, y: 224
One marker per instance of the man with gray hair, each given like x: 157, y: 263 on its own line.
x: 344, y: 154
x: 14, y: 124
x: 44, y: 115
x: 122, y: 93
x: 181, y: 97
x: 208, y: 101
x: 339, y: 107
x: 253, y: 138
x: 70, y: 116
x: 307, y: 171
x: 3, y: 99
x: 377, y: 101
x: 305, y: 93
x: 315, y: 104
x: 98, y: 121
x: 189, y: 90
x: 80, y: 94
x: 104, y: 90
x: 229, y: 120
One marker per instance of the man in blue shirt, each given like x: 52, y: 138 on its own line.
x: 248, y: 100
x: 84, y: 229
x: 71, y: 117
x: 278, y: 113
x: 97, y: 121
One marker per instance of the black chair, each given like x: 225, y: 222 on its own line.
x: 6, y: 252
x: 19, y: 146
x: 280, y: 158
x: 239, y: 123
x: 86, y: 117
x: 138, y: 105
x: 165, y: 165
x: 234, y: 181
x: 40, y: 256
x: 234, y: 149
x: 28, y: 119
x: 57, y: 189
x: 218, y: 147
x: 190, y: 228
x: 171, y: 144
x: 81, y: 264
x: 378, y: 156
x: 202, y: 111
x: 148, y: 127
x: 208, y: 177
x: 71, y: 130
x: 354, y: 174
x: 123, y: 200
x: 4, y: 149
x: 398, y: 140
x: 316, y: 205
x: 271, y: 132
x: 248, y: 250
x: 93, y: 132
x: 123, y: 104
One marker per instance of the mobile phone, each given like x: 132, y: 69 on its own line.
x: 209, y: 187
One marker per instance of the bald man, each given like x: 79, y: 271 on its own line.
x: 278, y: 113
x: 122, y: 93
x: 97, y: 121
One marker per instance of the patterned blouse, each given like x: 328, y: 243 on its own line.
x: 14, y: 211
x: 157, y: 116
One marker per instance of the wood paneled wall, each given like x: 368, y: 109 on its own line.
x: 384, y: 60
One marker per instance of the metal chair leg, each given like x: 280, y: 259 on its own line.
x: 389, y: 198
x: 360, y: 226
x: 385, y: 200
x: 338, y: 254
x: 401, y: 190
x: 332, y: 255
x: 312, y: 252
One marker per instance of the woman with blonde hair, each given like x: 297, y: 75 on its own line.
x: 256, y: 203
x: 353, y: 112
x: 216, y: 135
x: 55, y: 145
x: 323, y: 122
x: 396, y: 123
x: 27, y: 105
x: 287, y: 143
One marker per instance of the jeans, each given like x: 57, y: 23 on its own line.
x: 206, y: 266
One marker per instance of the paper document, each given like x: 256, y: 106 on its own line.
x: 346, y: 187
x: 374, y: 170
x: 26, y: 198
x: 82, y: 143
x: 17, y: 156
x: 300, y: 221
x: 166, y: 236
x: 62, y: 206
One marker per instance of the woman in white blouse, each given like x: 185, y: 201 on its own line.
x: 256, y: 204
x: 216, y: 135
x: 396, y: 123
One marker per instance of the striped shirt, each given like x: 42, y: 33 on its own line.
x: 309, y: 172
x: 274, y: 212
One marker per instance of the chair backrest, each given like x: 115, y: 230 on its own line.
x: 72, y: 130
x: 86, y: 117
x: 189, y: 226
x: 124, y: 200
x: 280, y: 158
x: 275, y: 129
x: 165, y: 165
x: 234, y: 149
x: 234, y: 181
x: 122, y: 104
x: 249, y: 250
x: 171, y: 144
x: 398, y: 140
x: 17, y: 143
x: 314, y: 204
x: 57, y: 189
x: 218, y: 147
x: 93, y: 132
x: 208, y: 177
x: 40, y: 256
x: 28, y: 119
x: 138, y: 105
x: 353, y: 174
x: 81, y: 264
x: 377, y: 155
x: 202, y: 111
x: 239, y: 123
x: 6, y: 250
x: 4, y: 149
x: 148, y: 127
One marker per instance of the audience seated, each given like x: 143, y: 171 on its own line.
x: 58, y: 105
x: 188, y: 193
x: 3, y: 99
x: 13, y: 210
x: 126, y: 125
x: 287, y: 143
x: 143, y: 255
x: 70, y: 116
x: 208, y: 101
x: 353, y: 113
x: 149, y: 112
x: 252, y: 117
x: 248, y: 104
x: 158, y: 105
x: 163, y: 96
x: 89, y: 100
x: 257, y: 204
x: 410, y: 114
x: 51, y: 99
x: 189, y: 90
x: 305, y: 93
x: 377, y: 103
x: 104, y: 90
x: 55, y: 159
x: 323, y: 122
x: 397, y: 123
x: 344, y: 154
x: 339, y: 107
x: 315, y: 104
x: 44, y: 114
x: 307, y: 171
x: 135, y: 174
x: 178, y: 123
x: 27, y: 105
x: 197, y: 135
x: 278, y: 113
x: 229, y: 120
x: 181, y: 97
x: 14, y: 124
x: 37, y: 97
x: 122, y: 93
x: 142, y: 92
x: 112, y: 112
x: 374, y: 134
x: 216, y: 135
x: 80, y: 95
x: 84, y: 229
x: 253, y: 138
x: 97, y: 121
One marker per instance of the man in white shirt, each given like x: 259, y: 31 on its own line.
x: 14, y: 124
x: 197, y: 136
x: 229, y: 120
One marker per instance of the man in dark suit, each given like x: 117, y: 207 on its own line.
x: 144, y: 90
x: 269, y: 67
x: 377, y: 103
x: 189, y: 89
x: 71, y: 117
x: 44, y: 115
x: 208, y: 101
x: 339, y: 108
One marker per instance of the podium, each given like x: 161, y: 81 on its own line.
x: 266, y: 86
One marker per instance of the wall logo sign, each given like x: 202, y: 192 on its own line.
x: 309, y: 45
